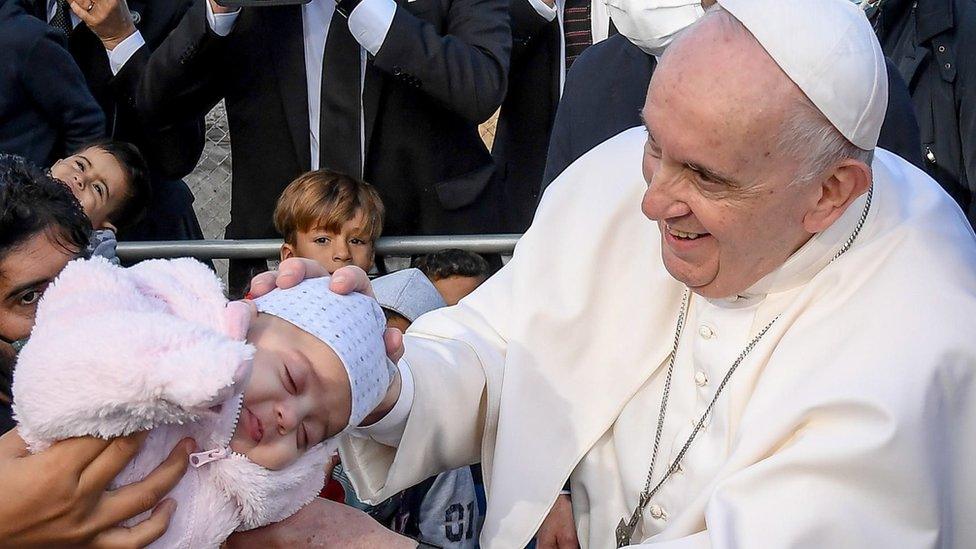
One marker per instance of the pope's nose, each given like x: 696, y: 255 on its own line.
x: 658, y: 204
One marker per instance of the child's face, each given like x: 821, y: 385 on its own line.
x: 454, y: 288
x: 98, y: 181
x: 350, y: 246
x: 298, y: 394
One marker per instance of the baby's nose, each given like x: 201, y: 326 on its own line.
x: 285, y: 417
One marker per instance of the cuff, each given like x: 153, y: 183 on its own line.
x: 118, y: 57
x: 544, y: 10
x: 221, y: 23
x: 370, y: 22
x: 389, y: 430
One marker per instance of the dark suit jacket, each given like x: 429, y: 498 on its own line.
x: 172, y: 150
x: 598, y: 103
x: 933, y: 44
x: 525, y: 121
x: 440, y: 72
x: 45, y: 108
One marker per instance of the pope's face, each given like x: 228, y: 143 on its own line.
x: 718, y: 188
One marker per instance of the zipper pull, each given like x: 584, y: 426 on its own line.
x: 200, y: 459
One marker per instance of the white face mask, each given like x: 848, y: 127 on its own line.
x: 652, y: 24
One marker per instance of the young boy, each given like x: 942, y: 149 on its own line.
x: 111, y: 181
x: 263, y: 389
x: 331, y: 218
x: 455, y: 273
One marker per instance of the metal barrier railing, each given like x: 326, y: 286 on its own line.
x: 270, y: 248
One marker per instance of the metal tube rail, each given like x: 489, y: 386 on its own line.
x: 270, y: 248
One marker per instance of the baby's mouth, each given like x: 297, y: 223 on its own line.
x: 254, y: 427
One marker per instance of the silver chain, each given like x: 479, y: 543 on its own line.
x: 625, y: 529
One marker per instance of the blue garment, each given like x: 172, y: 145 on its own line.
x: 46, y: 109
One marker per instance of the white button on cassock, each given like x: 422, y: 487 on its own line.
x: 706, y: 332
x: 656, y: 511
x: 700, y: 379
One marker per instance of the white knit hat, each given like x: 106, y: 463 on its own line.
x: 352, y: 325
x: 828, y: 48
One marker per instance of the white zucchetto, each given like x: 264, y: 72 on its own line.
x: 828, y: 48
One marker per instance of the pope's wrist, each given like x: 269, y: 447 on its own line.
x: 387, y: 404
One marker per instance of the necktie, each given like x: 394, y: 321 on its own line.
x: 339, y: 140
x: 576, y: 29
x: 62, y: 17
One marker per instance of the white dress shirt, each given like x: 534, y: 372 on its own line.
x: 368, y: 23
x: 117, y: 57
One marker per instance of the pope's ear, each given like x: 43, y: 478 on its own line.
x: 849, y: 179
x: 287, y: 251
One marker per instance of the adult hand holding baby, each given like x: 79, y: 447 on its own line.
x: 61, y: 496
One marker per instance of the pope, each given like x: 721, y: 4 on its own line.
x: 741, y: 325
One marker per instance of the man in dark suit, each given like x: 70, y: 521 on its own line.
x: 598, y: 103
x: 933, y: 44
x: 111, y: 41
x: 547, y: 37
x: 394, y: 94
x: 45, y: 107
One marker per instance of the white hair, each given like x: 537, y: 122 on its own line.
x: 810, y: 138
x: 806, y: 134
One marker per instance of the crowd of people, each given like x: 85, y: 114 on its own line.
x: 522, y: 410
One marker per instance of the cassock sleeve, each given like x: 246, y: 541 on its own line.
x: 456, y: 374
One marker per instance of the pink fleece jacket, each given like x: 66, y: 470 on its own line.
x: 157, y: 346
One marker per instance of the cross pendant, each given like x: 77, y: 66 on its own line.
x: 625, y: 530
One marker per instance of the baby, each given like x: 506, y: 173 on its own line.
x: 158, y: 347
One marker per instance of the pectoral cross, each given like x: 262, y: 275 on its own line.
x: 625, y: 529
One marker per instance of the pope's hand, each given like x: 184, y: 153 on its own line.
x: 344, y: 281
x: 110, y: 20
x: 57, y: 497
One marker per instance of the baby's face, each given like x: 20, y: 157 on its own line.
x: 298, y: 394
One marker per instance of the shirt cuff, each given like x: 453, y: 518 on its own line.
x: 544, y: 10
x: 389, y: 430
x: 370, y: 22
x: 118, y: 57
x: 221, y: 23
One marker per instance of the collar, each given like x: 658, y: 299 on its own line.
x: 933, y: 17
x: 805, y: 263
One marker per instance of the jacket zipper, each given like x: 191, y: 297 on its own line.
x: 199, y: 459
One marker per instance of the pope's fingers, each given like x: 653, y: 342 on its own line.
x: 349, y: 279
x: 12, y: 446
x: 139, y: 497
x: 262, y: 283
x: 393, y: 340
x: 296, y: 269
x: 97, y: 470
x: 141, y: 534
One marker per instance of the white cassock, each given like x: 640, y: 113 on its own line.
x: 852, y: 423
